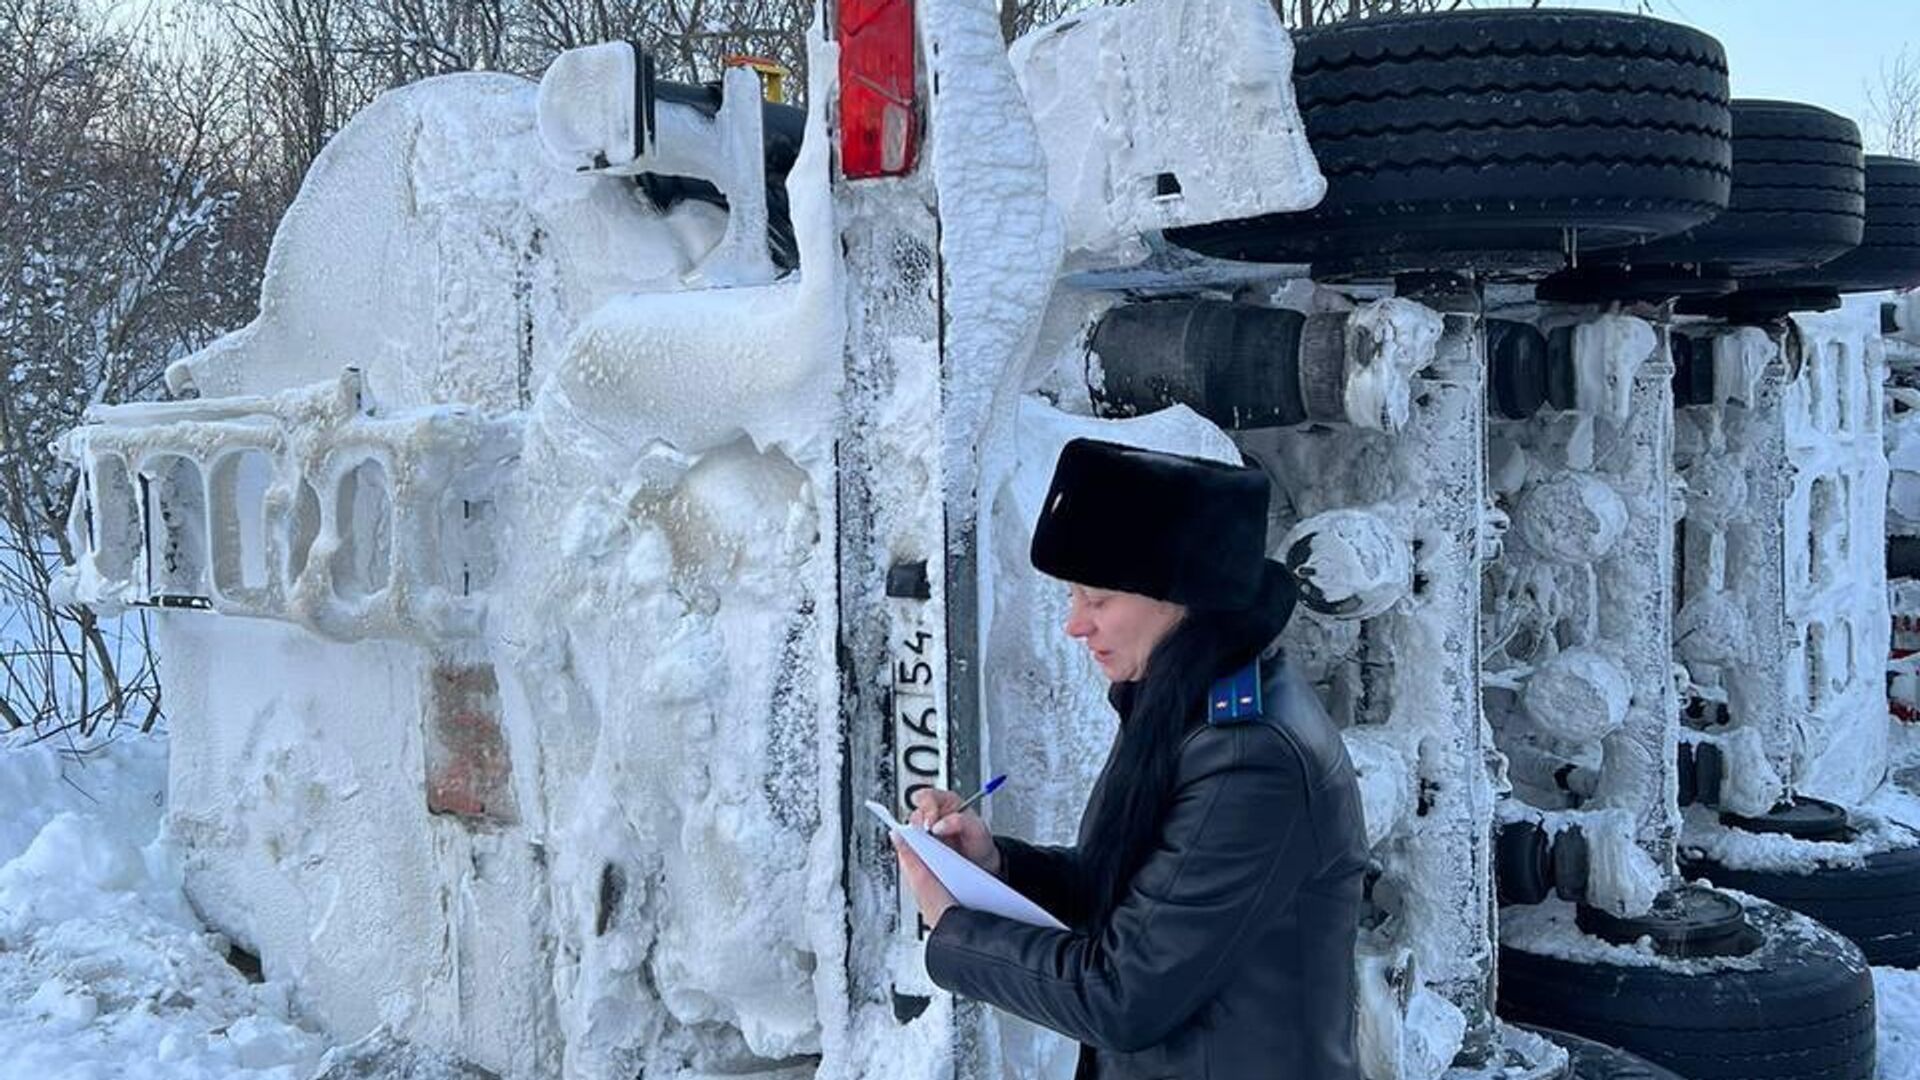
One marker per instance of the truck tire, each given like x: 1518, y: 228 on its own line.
x: 1494, y: 138
x: 1876, y: 906
x: 1889, y: 253
x: 1798, y: 200
x: 1799, y: 1006
x: 1799, y: 195
x: 1888, y: 256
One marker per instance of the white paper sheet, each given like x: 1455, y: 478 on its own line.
x: 971, y: 886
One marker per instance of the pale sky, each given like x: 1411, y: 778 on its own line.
x: 1822, y: 52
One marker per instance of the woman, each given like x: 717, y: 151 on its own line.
x: 1215, y: 891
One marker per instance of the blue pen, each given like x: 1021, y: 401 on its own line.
x: 992, y: 786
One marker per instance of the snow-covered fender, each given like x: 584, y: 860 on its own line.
x: 1158, y: 115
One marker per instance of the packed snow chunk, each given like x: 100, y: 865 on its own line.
x: 1570, y: 517
x: 1434, y: 1032
x: 1711, y: 629
x: 1136, y: 142
x: 1388, y: 342
x: 1384, y: 769
x: 1580, y: 695
x: 1621, y: 877
x: 1350, y: 563
x: 62, y: 1007
x: 69, y: 849
x: 1740, y: 358
x: 1607, y: 353
x: 1403, y: 1030
x: 75, y: 860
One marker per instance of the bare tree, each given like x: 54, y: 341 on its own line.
x: 304, y: 71
x: 689, y: 38
x: 118, y: 203
x: 1893, y: 107
x: 415, y: 39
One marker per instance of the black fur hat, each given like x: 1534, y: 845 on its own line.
x: 1181, y: 529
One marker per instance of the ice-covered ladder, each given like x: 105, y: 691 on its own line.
x: 311, y: 506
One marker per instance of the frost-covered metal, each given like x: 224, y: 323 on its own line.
x: 313, y: 506
x: 1575, y: 631
x: 1786, y: 612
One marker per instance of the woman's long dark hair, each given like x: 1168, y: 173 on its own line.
x: 1168, y: 702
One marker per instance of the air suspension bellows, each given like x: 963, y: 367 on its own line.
x: 1527, y: 369
x: 1238, y: 365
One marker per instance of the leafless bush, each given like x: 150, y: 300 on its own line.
x: 1893, y: 107
x: 125, y: 242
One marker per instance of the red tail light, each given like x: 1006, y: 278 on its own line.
x: 879, y: 124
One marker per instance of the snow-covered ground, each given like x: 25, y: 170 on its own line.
x: 105, y: 972
x: 1898, y: 995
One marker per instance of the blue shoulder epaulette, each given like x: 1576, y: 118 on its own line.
x: 1236, y: 697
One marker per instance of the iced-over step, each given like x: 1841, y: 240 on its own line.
x: 311, y: 506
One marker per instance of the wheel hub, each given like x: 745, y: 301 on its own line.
x: 1803, y: 818
x: 1690, y: 921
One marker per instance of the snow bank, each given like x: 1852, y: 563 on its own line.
x: 104, y: 970
x: 45, y: 779
x: 1896, y: 995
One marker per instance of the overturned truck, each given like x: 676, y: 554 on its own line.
x: 624, y: 481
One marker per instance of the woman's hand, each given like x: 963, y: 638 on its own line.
x: 933, y: 897
x: 964, y: 832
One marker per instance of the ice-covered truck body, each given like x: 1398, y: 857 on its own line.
x: 623, y: 482
x: 547, y: 570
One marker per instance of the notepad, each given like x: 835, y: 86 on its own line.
x: 971, y: 886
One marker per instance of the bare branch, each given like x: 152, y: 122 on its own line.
x: 1893, y: 107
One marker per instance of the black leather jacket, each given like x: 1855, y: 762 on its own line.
x: 1231, y: 956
